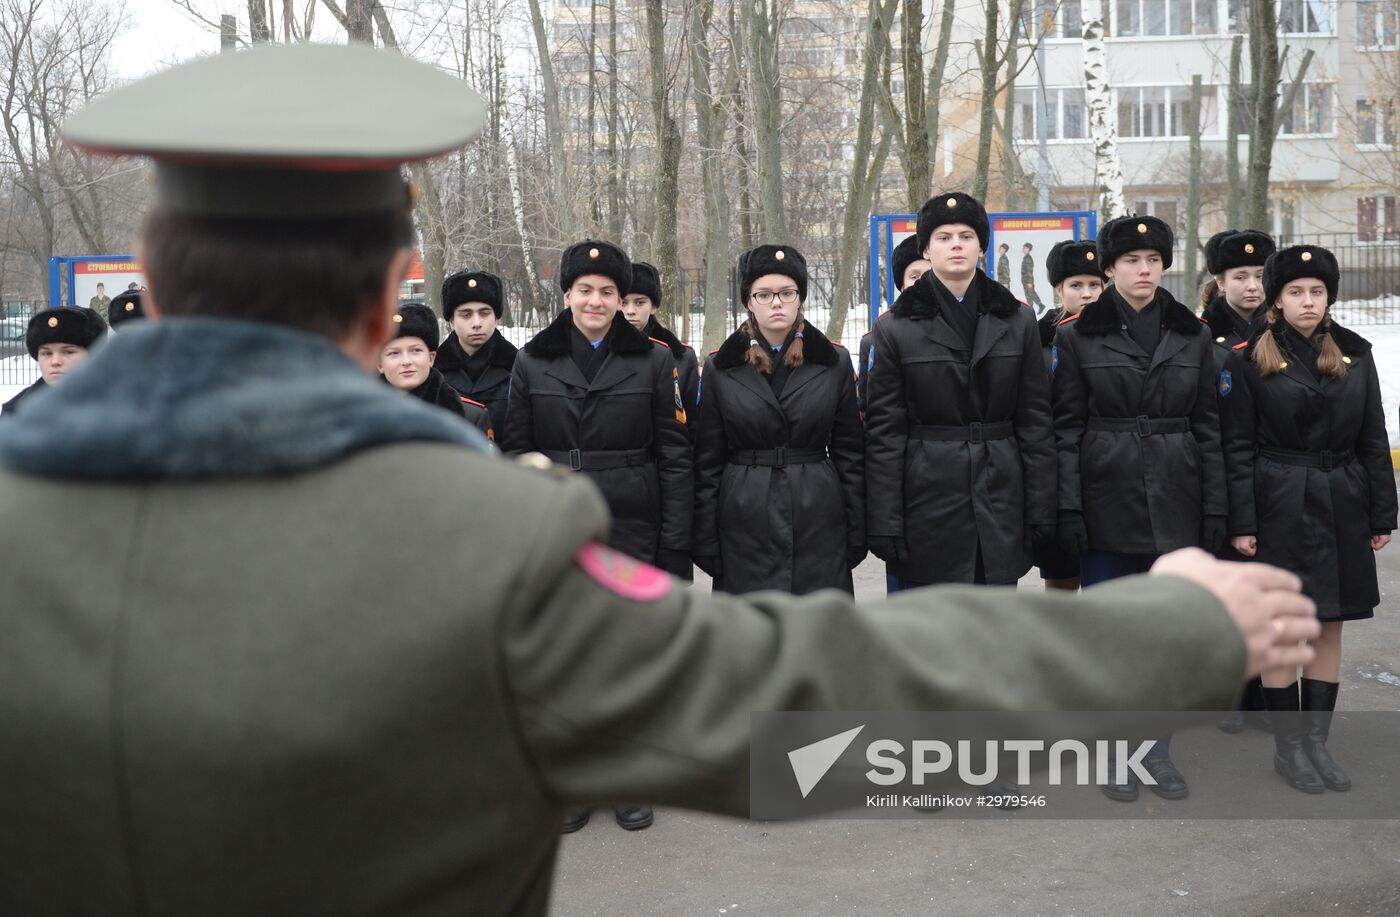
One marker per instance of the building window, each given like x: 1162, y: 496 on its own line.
x: 1164, y: 17
x: 1055, y: 18
x: 1305, y: 17
x: 1166, y: 211
x: 1066, y: 116
x: 1164, y: 111
x: 1376, y: 23
x: 1377, y: 219
x: 1375, y: 123
x: 1311, y: 112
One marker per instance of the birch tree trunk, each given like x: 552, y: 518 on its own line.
x: 709, y: 123
x: 517, y: 201
x: 1108, y: 167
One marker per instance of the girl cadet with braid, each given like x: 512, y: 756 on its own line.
x: 1311, y: 486
x: 780, y: 495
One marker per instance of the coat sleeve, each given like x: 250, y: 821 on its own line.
x: 648, y: 699
x: 689, y: 366
x: 886, y: 436
x: 848, y: 452
x: 1070, y: 406
x: 1035, y: 431
x: 1238, y: 438
x: 1373, y: 447
x: 675, y: 464
x: 519, y: 433
x: 862, y: 373
x: 1205, y: 427
x: 711, y: 452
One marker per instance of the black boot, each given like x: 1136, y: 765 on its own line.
x: 575, y: 819
x: 1256, y: 712
x: 1319, y: 700
x: 1290, y: 761
x: 633, y: 818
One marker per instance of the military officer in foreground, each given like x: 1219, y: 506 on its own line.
x: 267, y: 703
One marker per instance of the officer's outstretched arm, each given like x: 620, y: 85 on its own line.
x: 627, y: 685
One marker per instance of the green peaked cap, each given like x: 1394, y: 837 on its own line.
x: 283, y: 131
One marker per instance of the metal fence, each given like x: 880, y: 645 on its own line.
x: 16, y: 368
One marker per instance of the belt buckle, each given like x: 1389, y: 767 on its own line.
x: 1325, y: 460
x: 974, y: 432
x: 575, y: 460
x: 780, y: 457
x: 1144, y: 425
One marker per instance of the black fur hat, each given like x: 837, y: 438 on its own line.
x: 1289, y: 264
x: 1070, y: 259
x: 1237, y: 248
x: 415, y: 320
x: 471, y: 286
x: 905, y: 254
x: 772, y: 259
x: 75, y: 325
x: 1129, y: 234
x: 124, y: 307
x: 594, y: 257
x: 953, y: 207
x: 646, y: 281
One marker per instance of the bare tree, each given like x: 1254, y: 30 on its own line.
x: 709, y: 122
x: 764, y: 23
x: 990, y: 64
x: 1108, y: 166
x: 553, y: 123
x: 668, y: 155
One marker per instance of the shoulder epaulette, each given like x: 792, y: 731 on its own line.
x: 466, y: 400
x: 661, y: 342
x: 713, y: 352
x: 1066, y: 321
x: 1241, y: 345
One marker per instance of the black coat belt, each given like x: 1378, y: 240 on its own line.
x: 972, y: 433
x: 1142, y: 425
x: 600, y: 459
x: 1326, y: 459
x: 777, y: 458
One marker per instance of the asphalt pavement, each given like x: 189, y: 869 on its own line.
x: 694, y: 864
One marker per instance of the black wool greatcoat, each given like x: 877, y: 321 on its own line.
x: 944, y: 497
x: 630, y: 416
x: 784, y: 527
x: 1309, y: 470
x: 492, y: 387
x: 1220, y: 319
x: 1144, y: 485
x: 687, y: 364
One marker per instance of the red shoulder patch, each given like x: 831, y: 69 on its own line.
x: 621, y: 575
x: 1241, y: 345
x: 1066, y: 321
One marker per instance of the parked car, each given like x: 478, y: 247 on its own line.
x: 12, y: 337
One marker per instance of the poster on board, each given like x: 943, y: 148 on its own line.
x: 97, y: 278
x: 1017, y: 249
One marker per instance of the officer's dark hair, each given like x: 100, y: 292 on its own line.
x: 314, y: 275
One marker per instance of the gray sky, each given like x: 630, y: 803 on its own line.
x: 159, y: 34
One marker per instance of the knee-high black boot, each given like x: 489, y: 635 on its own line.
x: 1319, y: 700
x: 1290, y: 760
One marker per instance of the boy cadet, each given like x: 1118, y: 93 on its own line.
x: 58, y: 339
x: 639, y: 307
x: 907, y: 264
x: 475, y: 358
x: 222, y: 719
x: 406, y: 363
x: 126, y: 306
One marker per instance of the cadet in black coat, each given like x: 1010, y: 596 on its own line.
x: 1311, y: 485
x: 1076, y: 274
x: 639, y: 308
x: 58, y: 340
x: 1232, y: 305
x: 1137, y: 430
x: 907, y: 264
x: 958, y: 418
x: 475, y: 358
x: 406, y: 363
x: 596, y: 395
x: 780, y: 497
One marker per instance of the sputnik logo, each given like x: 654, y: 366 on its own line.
x: 811, y: 762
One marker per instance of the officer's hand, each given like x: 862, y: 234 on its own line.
x: 854, y: 555
x: 1265, y: 603
x: 676, y: 563
x: 1248, y: 545
x: 1072, y: 534
x: 889, y: 548
x: 1212, y: 532
x: 709, y: 563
